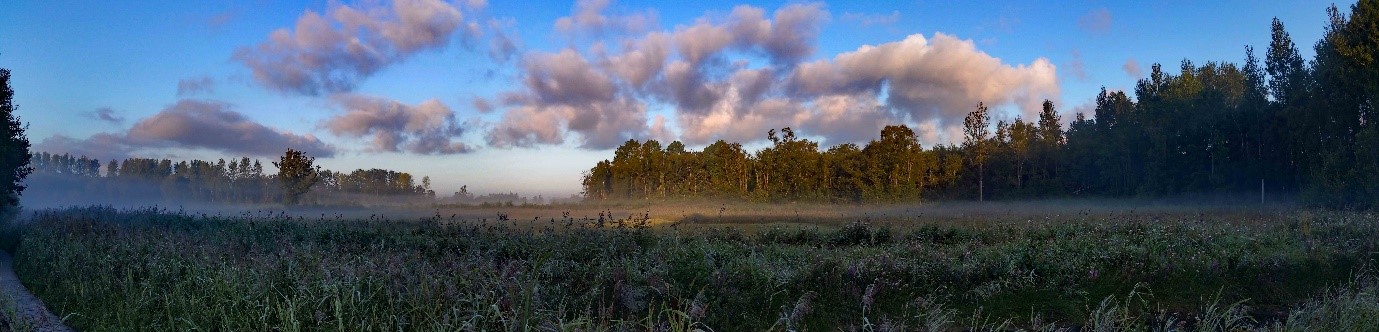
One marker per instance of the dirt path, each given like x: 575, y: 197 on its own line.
x: 33, y: 316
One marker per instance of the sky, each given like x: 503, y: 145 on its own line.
x: 523, y: 96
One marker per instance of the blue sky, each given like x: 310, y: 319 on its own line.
x: 436, y: 93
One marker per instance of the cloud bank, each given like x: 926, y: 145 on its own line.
x: 734, y: 77
x: 330, y: 53
x: 621, y: 76
x: 192, y: 124
x: 391, y: 126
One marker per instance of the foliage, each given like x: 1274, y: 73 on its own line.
x: 296, y: 175
x: 161, y: 270
x: 977, y: 141
x: 891, y: 168
x: 374, y: 182
x: 1286, y: 128
x: 14, y: 149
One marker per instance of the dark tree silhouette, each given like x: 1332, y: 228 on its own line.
x: 296, y: 175
x: 14, y: 147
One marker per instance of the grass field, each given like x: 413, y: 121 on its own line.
x: 709, y: 266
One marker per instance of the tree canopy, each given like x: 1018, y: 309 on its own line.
x: 296, y: 174
x: 14, y: 147
x: 1295, y: 127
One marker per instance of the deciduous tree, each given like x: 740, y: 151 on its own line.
x: 296, y: 174
x: 976, y: 139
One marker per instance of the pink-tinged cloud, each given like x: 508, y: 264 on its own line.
x: 785, y: 39
x: 566, y: 78
x: 588, y: 18
x: 481, y: 104
x: 102, y: 146
x: 943, y: 78
x: 641, y: 60
x: 1132, y: 68
x: 734, y: 77
x: 332, y: 52
x: 565, y: 93
x: 213, y: 125
x: 1096, y: 21
x: 391, y: 126
x: 192, y: 124
x: 599, y: 125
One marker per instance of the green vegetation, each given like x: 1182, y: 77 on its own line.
x: 14, y: 149
x: 159, y: 270
x: 1305, y: 129
x: 296, y: 175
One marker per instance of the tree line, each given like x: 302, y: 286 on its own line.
x: 1304, y: 128
x: 240, y: 180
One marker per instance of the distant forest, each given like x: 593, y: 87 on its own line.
x: 242, y: 181
x: 67, y: 179
x: 1302, y: 128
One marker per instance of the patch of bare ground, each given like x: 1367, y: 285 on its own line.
x: 19, y: 309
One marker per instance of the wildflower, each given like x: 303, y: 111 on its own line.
x: 802, y: 307
x: 869, y: 297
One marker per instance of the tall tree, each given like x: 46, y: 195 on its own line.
x: 296, y: 175
x: 1049, y: 148
x: 892, y: 160
x: 976, y: 140
x: 1287, y: 75
x: 14, y: 148
x: 1341, y: 112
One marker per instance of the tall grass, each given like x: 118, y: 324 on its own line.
x: 115, y: 270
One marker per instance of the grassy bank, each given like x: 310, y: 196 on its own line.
x: 149, y: 269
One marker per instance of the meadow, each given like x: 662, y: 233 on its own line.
x: 1091, y: 266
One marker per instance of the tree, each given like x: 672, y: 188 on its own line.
x: 1288, y: 76
x: 846, y: 166
x: 1340, y: 112
x: 1022, y: 136
x: 14, y: 147
x: 112, y: 169
x: 1049, y: 146
x: 892, y: 162
x: 296, y: 175
x: 976, y: 138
